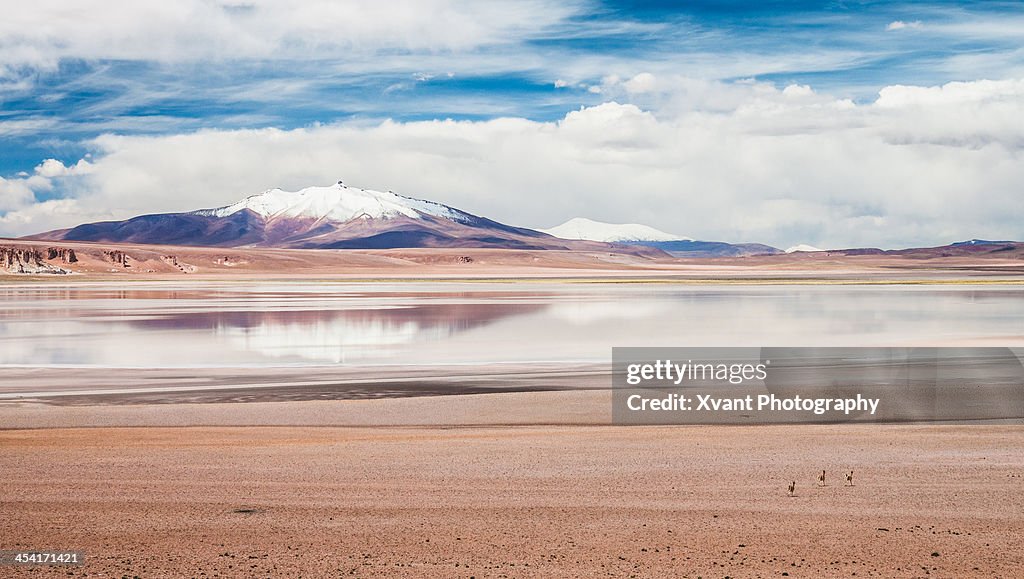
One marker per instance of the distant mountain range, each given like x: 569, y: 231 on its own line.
x: 343, y: 217
x: 802, y: 248
x: 693, y: 248
x: 642, y: 235
x: 333, y: 217
x: 588, y: 229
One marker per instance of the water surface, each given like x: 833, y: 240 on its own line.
x: 168, y: 325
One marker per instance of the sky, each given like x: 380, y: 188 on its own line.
x: 835, y: 124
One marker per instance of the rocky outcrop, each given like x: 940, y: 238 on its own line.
x: 64, y: 254
x: 119, y: 257
x: 230, y: 261
x: 26, y: 260
x: 182, y: 267
x: 14, y: 256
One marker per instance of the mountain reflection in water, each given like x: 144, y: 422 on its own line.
x: 227, y: 324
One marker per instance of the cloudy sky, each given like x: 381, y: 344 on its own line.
x: 835, y: 123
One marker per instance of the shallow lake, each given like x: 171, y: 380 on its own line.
x: 167, y: 325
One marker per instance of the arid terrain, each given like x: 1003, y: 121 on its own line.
x: 524, y: 501
x: 128, y: 261
x: 511, y: 289
x: 452, y: 471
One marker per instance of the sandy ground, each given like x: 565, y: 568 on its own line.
x: 528, y: 501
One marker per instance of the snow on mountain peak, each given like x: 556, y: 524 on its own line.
x: 337, y: 202
x: 590, y: 230
x: 803, y: 247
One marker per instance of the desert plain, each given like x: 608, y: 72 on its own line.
x: 518, y: 501
x: 324, y: 470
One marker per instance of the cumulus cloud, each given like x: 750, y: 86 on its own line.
x: 952, y: 94
x: 746, y: 161
x: 642, y: 83
x: 18, y: 194
x: 14, y: 194
x: 52, y: 210
x: 51, y: 168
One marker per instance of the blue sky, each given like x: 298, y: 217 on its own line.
x: 842, y: 47
x: 75, y: 72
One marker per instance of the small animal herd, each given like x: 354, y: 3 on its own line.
x: 821, y: 482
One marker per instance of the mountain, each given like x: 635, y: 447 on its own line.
x: 694, y: 248
x: 588, y: 229
x: 638, y: 235
x: 803, y: 248
x: 971, y: 248
x: 333, y: 217
x: 980, y: 242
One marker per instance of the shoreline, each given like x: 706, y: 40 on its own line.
x: 135, y: 263
x: 497, y: 409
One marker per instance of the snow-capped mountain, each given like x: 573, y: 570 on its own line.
x: 338, y: 202
x: 332, y: 217
x: 637, y: 235
x: 803, y: 248
x: 588, y: 229
x: 980, y: 242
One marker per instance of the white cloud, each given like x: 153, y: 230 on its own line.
x: 14, y: 194
x: 644, y: 82
x: 742, y: 161
x: 901, y: 25
x: 953, y: 93
x: 21, y: 127
x: 797, y: 91
x: 18, y: 195
x: 42, y: 32
x: 51, y: 168
x: 70, y: 211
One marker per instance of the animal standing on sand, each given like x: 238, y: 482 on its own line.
x: 821, y: 479
x: 792, y: 488
x: 849, y: 478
